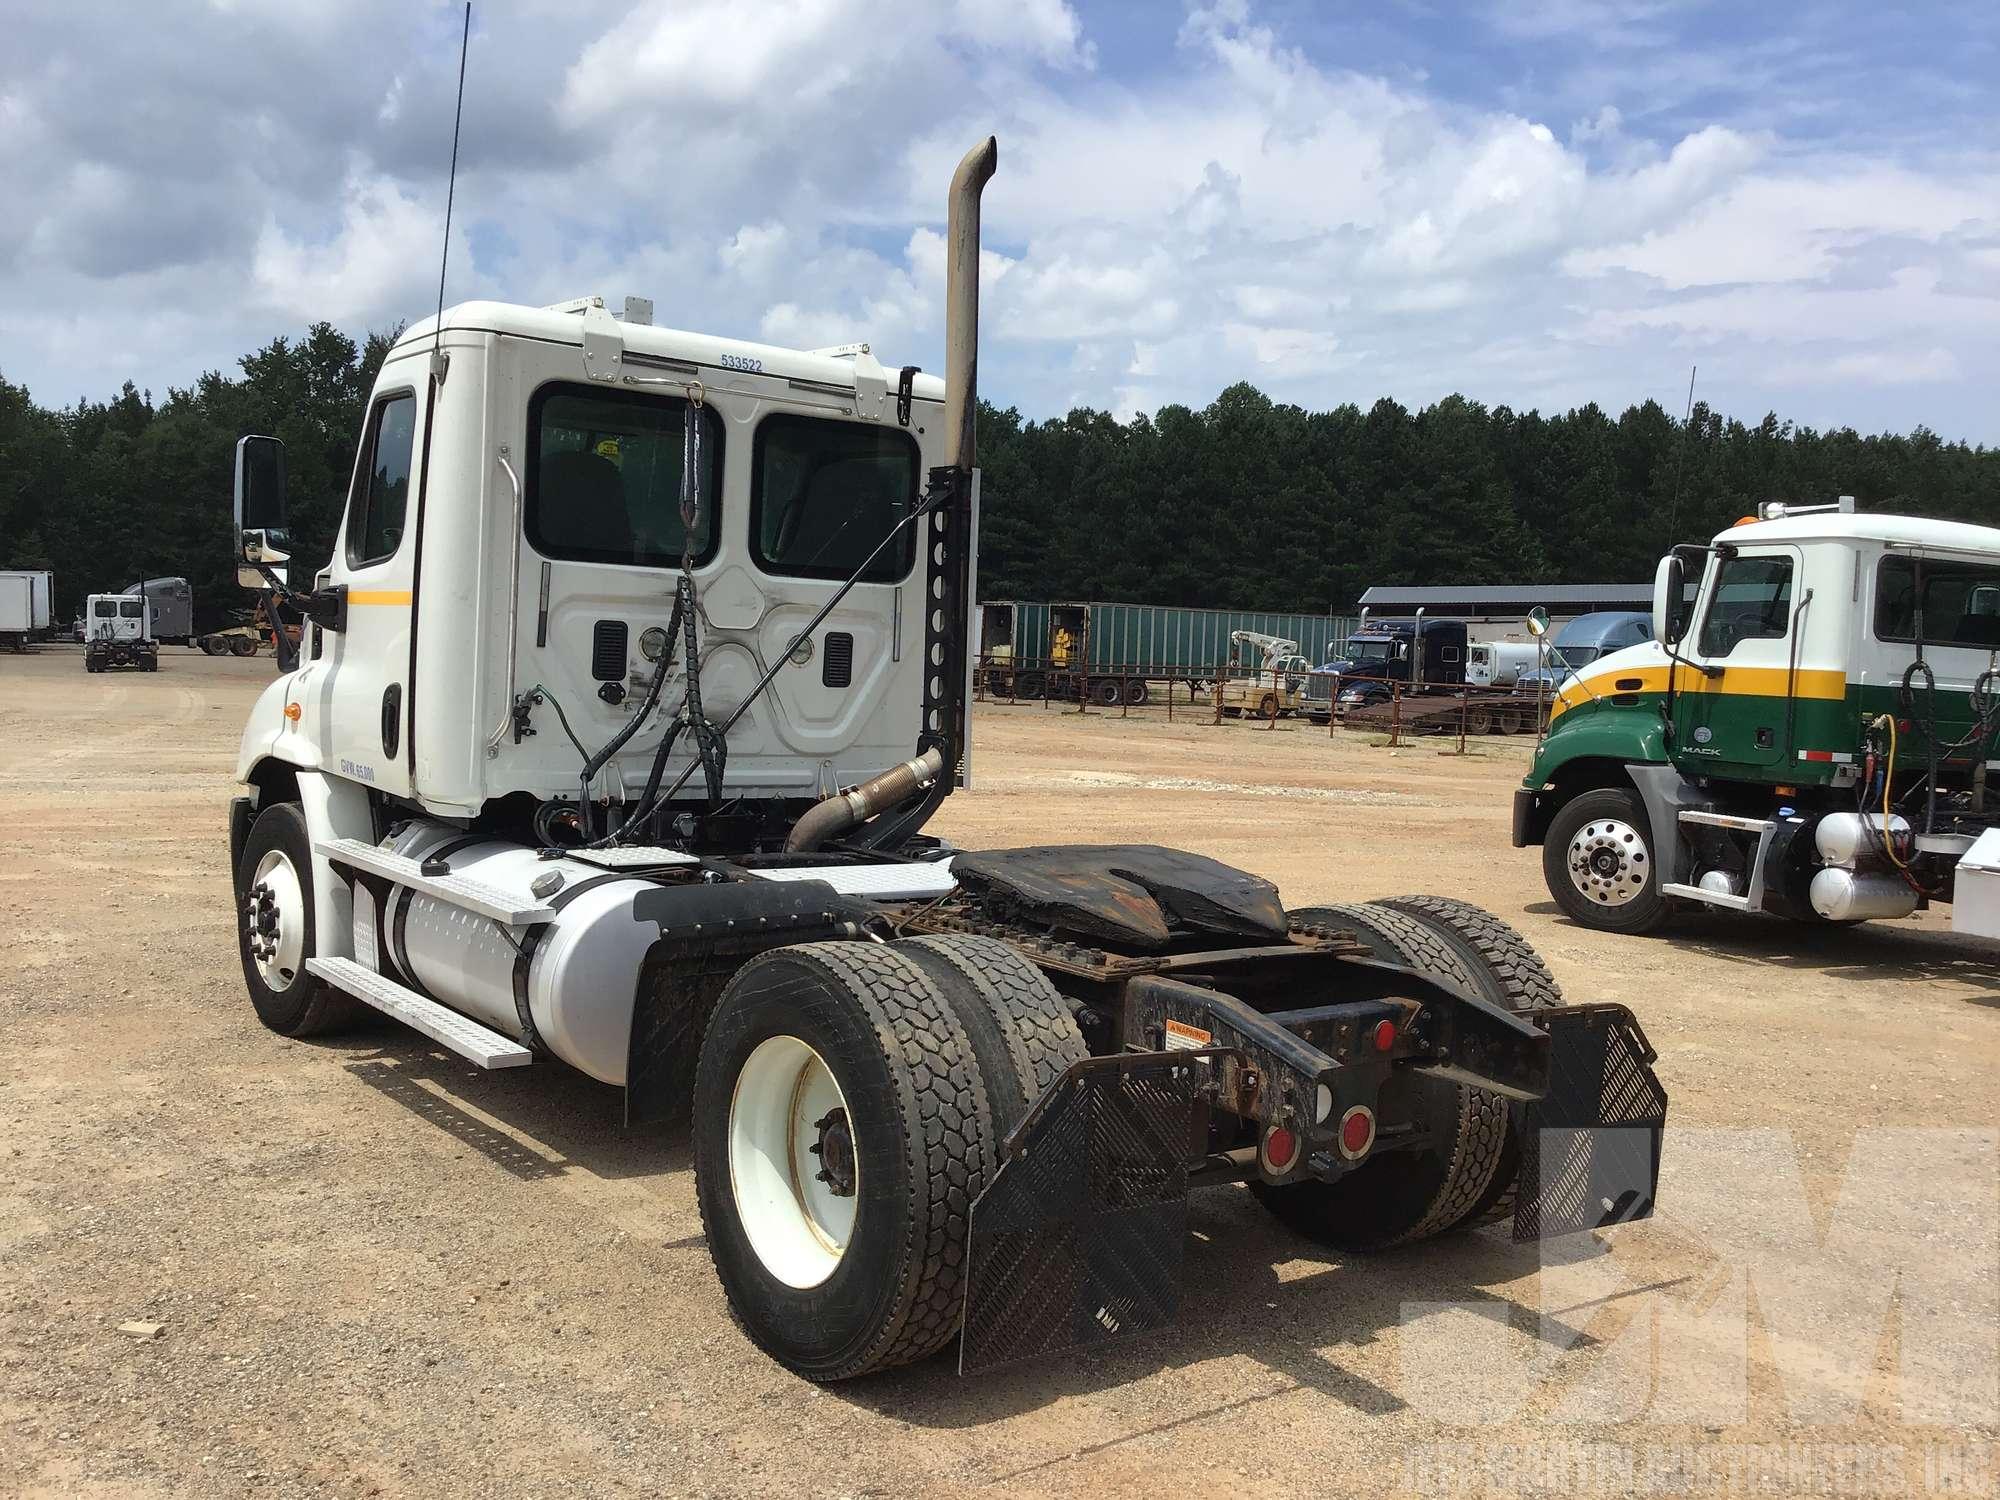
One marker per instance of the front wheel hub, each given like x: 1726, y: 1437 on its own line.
x: 1609, y: 862
x: 274, y: 926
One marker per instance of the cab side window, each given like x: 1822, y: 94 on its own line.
x: 1752, y: 602
x: 381, y: 496
x: 1960, y: 602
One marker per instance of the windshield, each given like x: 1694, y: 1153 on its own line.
x: 1577, y: 655
x: 1367, y: 651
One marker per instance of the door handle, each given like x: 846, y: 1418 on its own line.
x: 392, y: 718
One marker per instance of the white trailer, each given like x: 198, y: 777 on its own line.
x: 25, y: 606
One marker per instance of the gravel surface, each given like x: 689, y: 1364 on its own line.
x: 376, y: 1270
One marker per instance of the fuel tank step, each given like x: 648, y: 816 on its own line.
x: 455, y: 890
x: 466, y: 1037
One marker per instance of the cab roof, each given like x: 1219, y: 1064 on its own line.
x: 563, y: 326
x: 1899, y: 531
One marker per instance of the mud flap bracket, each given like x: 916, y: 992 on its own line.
x: 1078, y: 1237
x: 1590, y: 1148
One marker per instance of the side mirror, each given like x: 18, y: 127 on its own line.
x: 1538, y: 622
x: 1669, y: 612
x: 261, y: 536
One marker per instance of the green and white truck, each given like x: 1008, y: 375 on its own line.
x: 1810, y: 735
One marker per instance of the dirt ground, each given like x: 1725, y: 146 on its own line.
x: 377, y: 1270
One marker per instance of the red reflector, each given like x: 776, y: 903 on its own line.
x: 1385, y: 1035
x: 1280, y: 1146
x: 1357, y: 1130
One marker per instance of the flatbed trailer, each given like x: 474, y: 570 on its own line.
x: 1444, y: 713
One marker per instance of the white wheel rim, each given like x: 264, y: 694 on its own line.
x: 797, y: 1221
x: 276, y: 907
x: 1609, y: 862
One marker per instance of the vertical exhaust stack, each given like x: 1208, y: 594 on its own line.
x: 961, y: 302
x: 929, y: 773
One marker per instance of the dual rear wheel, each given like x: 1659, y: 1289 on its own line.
x: 849, y: 1105
x: 1465, y: 1175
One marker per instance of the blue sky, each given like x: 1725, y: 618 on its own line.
x: 1536, y: 204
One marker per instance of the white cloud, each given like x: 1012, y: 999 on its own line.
x: 1244, y: 208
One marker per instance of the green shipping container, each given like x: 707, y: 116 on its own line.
x: 1155, y: 640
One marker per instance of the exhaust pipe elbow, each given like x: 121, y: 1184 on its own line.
x: 961, y: 301
x: 843, y: 810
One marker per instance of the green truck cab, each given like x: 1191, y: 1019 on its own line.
x: 1809, y: 734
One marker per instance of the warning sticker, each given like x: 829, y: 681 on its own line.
x: 1182, y: 1037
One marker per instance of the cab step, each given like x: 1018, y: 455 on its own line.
x: 465, y: 1036
x: 1726, y: 820
x: 1709, y: 898
x: 454, y: 890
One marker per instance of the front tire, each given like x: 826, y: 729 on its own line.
x: 848, y: 1258
x: 276, y: 929
x: 1599, y: 862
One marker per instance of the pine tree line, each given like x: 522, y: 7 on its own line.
x: 1246, y: 504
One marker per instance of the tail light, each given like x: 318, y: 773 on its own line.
x: 1357, y: 1132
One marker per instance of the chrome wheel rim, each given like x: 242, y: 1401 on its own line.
x: 1609, y: 863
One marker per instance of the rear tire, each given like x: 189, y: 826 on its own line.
x: 1021, y: 1029
x: 277, y: 928
x: 1513, y: 975
x: 1106, y: 693
x: 1267, y: 706
x: 1137, y: 690
x: 1599, y: 863
x: 1403, y: 1196
x: 909, y: 1140
x: 242, y: 645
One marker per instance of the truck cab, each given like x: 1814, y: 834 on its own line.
x: 1812, y: 669
x: 1580, y: 641
x: 1414, y: 651
x: 641, y: 662
x: 118, y: 633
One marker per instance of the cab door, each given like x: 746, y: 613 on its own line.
x: 1740, y: 717
x: 367, y: 665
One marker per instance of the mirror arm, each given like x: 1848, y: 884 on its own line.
x: 326, y: 607
x: 1702, y: 667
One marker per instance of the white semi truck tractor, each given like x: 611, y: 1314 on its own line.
x: 639, y: 669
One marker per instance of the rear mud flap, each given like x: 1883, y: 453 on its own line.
x: 1590, y: 1149
x: 1077, y: 1239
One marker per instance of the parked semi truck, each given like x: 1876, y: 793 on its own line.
x: 118, y: 633
x: 1811, y: 735
x: 627, y: 763
x: 170, y: 602
x: 1580, y: 641
x: 1419, y: 654
x: 26, y: 607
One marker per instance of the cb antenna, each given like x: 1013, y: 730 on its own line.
x: 438, y: 361
x: 1680, y: 465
